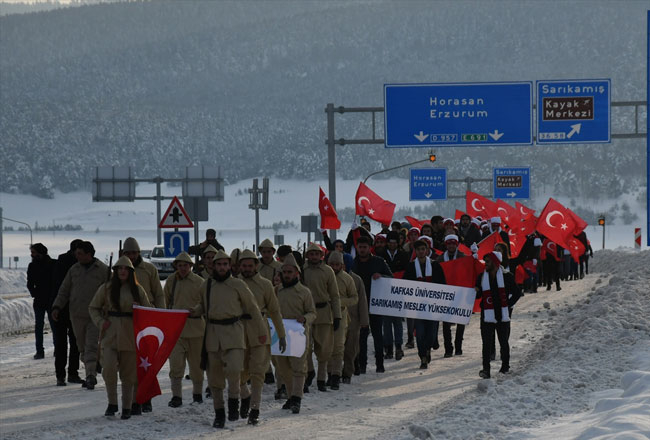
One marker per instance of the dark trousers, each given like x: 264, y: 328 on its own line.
x: 410, y: 329
x: 393, y: 325
x: 376, y: 324
x: 584, y: 264
x: 551, y: 273
x: 487, y: 336
x: 39, y: 325
x: 63, y: 334
x: 426, y: 335
x: 458, y: 340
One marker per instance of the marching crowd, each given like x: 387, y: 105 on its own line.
x: 325, y: 288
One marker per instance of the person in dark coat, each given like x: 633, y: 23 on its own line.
x: 469, y: 230
x: 427, y: 270
x: 370, y: 267
x: 64, y: 332
x: 498, y: 293
x: 452, y: 253
x: 39, y: 284
x: 210, y: 240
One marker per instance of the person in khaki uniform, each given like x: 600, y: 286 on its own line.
x: 348, y: 297
x: 183, y: 291
x: 321, y: 281
x: 258, y: 356
x: 296, y: 302
x: 147, y: 276
x: 208, y: 261
x: 78, y: 287
x: 358, y: 319
x: 111, y: 309
x: 223, y: 303
x: 268, y: 265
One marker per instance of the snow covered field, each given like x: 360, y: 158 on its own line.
x: 580, y: 369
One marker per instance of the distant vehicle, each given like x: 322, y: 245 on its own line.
x: 146, y: 254
x: 162, y: 263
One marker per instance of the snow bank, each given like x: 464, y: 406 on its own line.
x: 16, y: 315
x: 13, y: 282
x: 588, y: 349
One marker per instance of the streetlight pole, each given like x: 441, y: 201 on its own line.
x: 31, y: 237
x: 395, y: 168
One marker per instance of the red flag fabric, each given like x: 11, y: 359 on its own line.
x: 517, y: 241
x: 476, y: 204
x: 463, y: 272
x: 458, y: 214
x: 156, y: 332
x: 371, y: 205
x: 524, y: 210
x: 580, y: 223
x: 520, y: 275
x: 487, y: 244
x: 549, y: 248
x: 527, y: 226
x: 556, y: 223
x: 415, y: 222
x: 508, y: 214
x: 576, y: 248
x: 328, y: 217
x: 464, y: 249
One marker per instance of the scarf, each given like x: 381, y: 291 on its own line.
x: 428, y: 270
x: 446, y: 255
x: 488, y: 306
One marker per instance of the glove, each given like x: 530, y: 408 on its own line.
x: 473, y: 248
x: 535, y: 261
x: 323, y: 231
x: 283, y: 345
x: 337, y: 323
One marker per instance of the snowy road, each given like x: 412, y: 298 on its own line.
x: 550, y: 378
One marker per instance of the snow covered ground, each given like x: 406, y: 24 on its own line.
x: 580, y: 369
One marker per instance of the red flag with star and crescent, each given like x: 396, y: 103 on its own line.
x: 556, y: 222
x: 477, y: 205
x: 371, y: 205
x: 576, y: 248
x: 156, y: 332
x: 524, y: 210
x: 328, y: 217
x: 508, y: 214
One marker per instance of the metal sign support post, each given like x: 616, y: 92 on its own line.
x: 257, y: 204
x: 468, y: 180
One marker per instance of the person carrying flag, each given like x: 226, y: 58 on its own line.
x: 498, y: 293
x: 111, y: 310
x: 452, y: 253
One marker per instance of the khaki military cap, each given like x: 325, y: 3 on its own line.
x: 220, y: 255
x: 209, y: 248
x: 314, y: 247
x: 335, y: 257
x: 267, y: 244
x: 247, y: 254
x: 234, y: 256
x: 183, y: 257
x: 289, y: 260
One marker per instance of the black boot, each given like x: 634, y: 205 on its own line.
x: 175, y: 402
x: 39, y: 355
x: 91, y: 381
x: 233, y: 409
x: 219, y: 418
x: 208, y: 393
x: 146, y: 407
x: 269, y: 378
x: 321, y: 385
x: 281, y: 393
x: 346, y: 380
x: 388, y: 350
x: 399, y: 353
x: 423, y: 363
x: 287, y: 404
x: 254, y: 417
x: 329, y: 380
x: 295, y: 404
x: 310, y: 378
x: 357, y: 368
x: 126, y: 414
x: 111, y: 410
x: 136, y: 409
x: 245, y: 406
x: 379, y: 362
x: 197, y: 398
x: 336, y: 380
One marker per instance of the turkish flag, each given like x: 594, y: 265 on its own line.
x: 556, y: 223
x: 487, y: 244
x: 524, y: 210
x: 464, y: 249
x: 527, y: 226
x: 476, y: 204
x: 549, y: 248
x: 415, y: 222
x: 517, y: 241
x: 328, y: 217
x: 508, y: 214
x: 463, y: 272
x: 371, y: 205
x: 580, y: 223
x: 576, y: 248
x: 156, y: 332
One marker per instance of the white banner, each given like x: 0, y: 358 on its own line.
x: 296, y: 339
x: 421, y: 300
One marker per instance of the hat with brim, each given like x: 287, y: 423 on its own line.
x: 183, y: 257
x: 247, y: 254
x: 289, y: 260
x: 266, y: 243
x: 221, y: 255
x: 209, y: 248
x: 314, y: 247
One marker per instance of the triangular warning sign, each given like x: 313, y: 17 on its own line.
x: 175, y: 216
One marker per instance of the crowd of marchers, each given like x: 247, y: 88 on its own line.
x: 229, y: 297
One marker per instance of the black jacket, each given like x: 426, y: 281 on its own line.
x: 437, y: 274
x: 512, y: 293
x: 366, y: 269
x: 398, y: 262
x: 39, y: 281
x: 470, y: 236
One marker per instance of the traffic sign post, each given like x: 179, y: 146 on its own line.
x: 175, y: 216
x: 573, y: 111
x: 428, y: 184
x: 458, y: 114
x: 511, y: 183
x: 637, y: 238
x: 176, y: 242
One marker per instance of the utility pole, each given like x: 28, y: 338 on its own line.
x: 256, y: 203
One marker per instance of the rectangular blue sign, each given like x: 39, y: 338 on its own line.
x: 458, y: 114
x: 511, y: 183
x: 428, y: 184
x: 573, y: 111
x: 176, y: 242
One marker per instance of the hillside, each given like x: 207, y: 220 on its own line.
x: 161, y: 85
